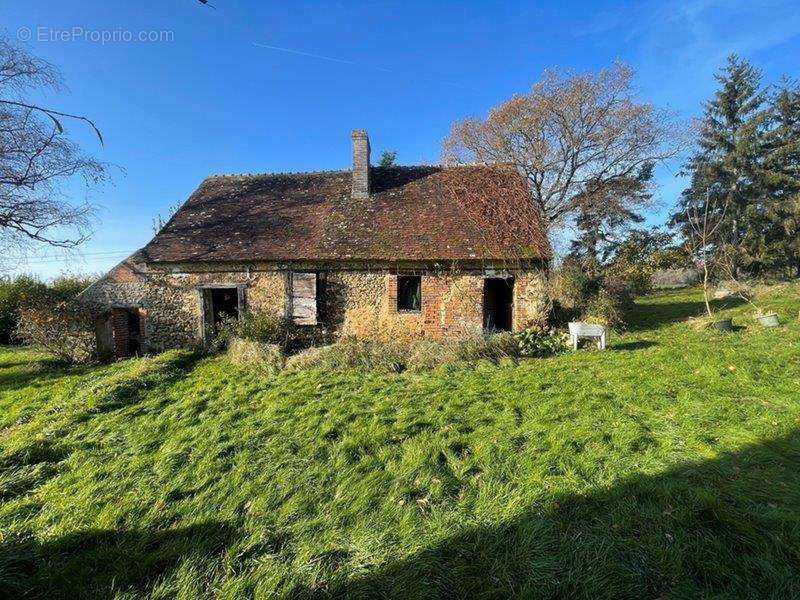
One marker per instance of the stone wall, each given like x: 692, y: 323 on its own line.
x: 174, y: 306
x: 353, y: 302
x: 673, y: 278
x: 531, y: 304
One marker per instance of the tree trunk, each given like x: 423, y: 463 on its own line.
x: 705, y: 288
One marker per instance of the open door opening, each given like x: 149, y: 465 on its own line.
x: 122, y: 332
x: 219, y: 304
x: 498, y: 302
x: 134, y: 329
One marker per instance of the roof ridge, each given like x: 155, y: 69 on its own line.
x: 276, y: 173
x: 342, y: 171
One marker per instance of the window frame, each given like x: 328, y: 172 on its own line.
x: 291, y: 298
x: 397, y: 299
x: 203, y: 302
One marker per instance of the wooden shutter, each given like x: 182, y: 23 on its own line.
x: 304, y: 298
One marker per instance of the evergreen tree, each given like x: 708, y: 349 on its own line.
x: 387, y: 158
x: 606, y: 214
x: 781, y: 176
x: 727, y: 164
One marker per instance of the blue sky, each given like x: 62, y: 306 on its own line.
x: 276, y: 86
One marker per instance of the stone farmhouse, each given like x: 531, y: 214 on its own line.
x: 373, y: 252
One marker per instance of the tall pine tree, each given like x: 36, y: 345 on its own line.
x: 727, y: 164
x: 606, y: 214
x: 781, y: 175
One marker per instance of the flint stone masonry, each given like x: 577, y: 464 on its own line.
x: 353, y: 301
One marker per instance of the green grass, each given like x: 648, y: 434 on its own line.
x: 666, y: 466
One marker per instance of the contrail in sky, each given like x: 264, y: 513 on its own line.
x: 348, y: 62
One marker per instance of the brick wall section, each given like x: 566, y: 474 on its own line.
x: 120, y: 330
x: 357, y: 303
x: 119, y: 327
x: 452, y: 305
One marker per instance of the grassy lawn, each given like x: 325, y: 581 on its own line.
x: 665, y: 467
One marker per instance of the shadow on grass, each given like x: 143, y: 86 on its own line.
x: 723, y: 528
x: 129, y: 391
x: 726, y: 528
x: 653, y: 315
x: 38, y: 370
x: 630, y: 346
x: 26, y: 468
x: 103, y: 563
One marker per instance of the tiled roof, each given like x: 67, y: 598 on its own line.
x: 413, y: 213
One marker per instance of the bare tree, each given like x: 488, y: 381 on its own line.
x: 702, y: 240
x: 572, y: 136
x: 37, y: 159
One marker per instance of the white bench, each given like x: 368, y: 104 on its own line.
x: 588, y: 330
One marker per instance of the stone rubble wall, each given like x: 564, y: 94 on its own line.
x: 358, y: 303
x: 673, y: 278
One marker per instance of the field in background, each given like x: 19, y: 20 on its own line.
x: 666, y: 466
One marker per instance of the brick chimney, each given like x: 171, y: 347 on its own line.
x: 360, y: 163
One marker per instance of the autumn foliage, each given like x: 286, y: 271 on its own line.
x: 572, y: 137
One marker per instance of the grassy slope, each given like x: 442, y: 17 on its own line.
x: 667, y: 465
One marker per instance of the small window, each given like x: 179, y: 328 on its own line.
x: 409, y: 292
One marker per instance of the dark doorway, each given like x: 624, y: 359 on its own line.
x: 224, y: 304
x: 219, y: 303
x: 134, y: 329
x: 123, y: 333
x: 498, y: 300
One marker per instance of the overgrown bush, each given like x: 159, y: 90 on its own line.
x: 352, y: 354
x: 606, y: 309
x: 570, y: 290
x: 625, y: 281
x: 395, y: 357
x: 256, y: 326
x: 67, y: 287
x: 267, y: 358
x: 571, y: 287
x: 65, y: 329
x: 14, y: 292
x: 541, y: 342
x: 576, y: 295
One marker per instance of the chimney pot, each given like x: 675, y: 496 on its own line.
x: 360, y: 163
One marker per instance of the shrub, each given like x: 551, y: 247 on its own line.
x: 571, y: 287
x: 267, y: 358
x: 625, y: 281
x: 352, y: 354
x: 67, y: 287
x: 541, y: 342
x: 570, y: 290
x: 14, y: 292
x: 605, y: 309
x: 66, y: 329
x: 395, y: 357
x: 255, y: 326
